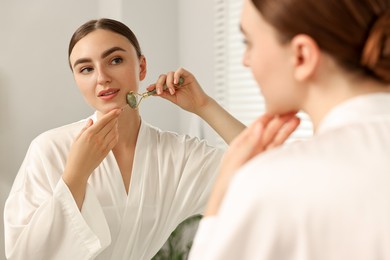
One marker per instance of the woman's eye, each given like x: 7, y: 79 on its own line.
x: 116, y: 60
x: 247, y: 44
x: 85, y: 70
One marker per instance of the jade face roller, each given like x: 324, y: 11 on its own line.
x: 132, y: 97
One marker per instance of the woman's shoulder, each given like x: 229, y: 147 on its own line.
x: 283, y: 167
x: 168, y: 137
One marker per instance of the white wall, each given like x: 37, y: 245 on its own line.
x: 37, y: 88
x: 196, y: 53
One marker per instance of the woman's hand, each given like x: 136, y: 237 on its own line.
x: 265, y: 133
x: 189, y: 96
x: 88, y: 150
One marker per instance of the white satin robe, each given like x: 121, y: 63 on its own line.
x: 327, y: 198
x: 171, y: 180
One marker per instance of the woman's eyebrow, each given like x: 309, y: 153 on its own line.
x: 104, y: 55
x: 111, y: 50
x: 82, y: 60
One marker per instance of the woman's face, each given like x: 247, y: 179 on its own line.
x: 106, y: 67
x: 268, y: 60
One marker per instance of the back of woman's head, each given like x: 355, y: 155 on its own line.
x: 106, y: 24
x: 356, y: 33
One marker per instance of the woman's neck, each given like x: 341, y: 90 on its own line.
x: 128, y: 127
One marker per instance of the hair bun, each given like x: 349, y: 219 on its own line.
x: 376, y: 52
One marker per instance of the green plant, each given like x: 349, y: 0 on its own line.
x: 180, y: 241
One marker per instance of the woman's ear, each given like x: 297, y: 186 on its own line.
x: 306, y: 56
x: 142, y: 67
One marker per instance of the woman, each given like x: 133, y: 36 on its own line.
x: 112, y: 186
x: 327, y: 197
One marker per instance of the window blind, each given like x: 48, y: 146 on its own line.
x: 236, y: 90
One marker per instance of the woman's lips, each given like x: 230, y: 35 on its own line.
x: 108, y: 93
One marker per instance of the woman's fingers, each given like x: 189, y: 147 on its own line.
x: 264, y: 133
x: 160, y: 84
x: 170, y: 82
x: 244, y: 146
x: 97, y: 138
x: 87, y: 125
x: 105, y: 122
x: 278, y: 129
x: 284, y: 132
x: 184, y: 74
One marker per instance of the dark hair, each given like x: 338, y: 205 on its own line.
x: 106, y: 24
x: 356, y: 33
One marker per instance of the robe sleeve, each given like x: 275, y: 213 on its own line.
x: 196, y: 164
x: 41, y: 218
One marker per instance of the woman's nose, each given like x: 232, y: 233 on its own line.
x: 103, y: 77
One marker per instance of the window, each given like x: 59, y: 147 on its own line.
x: 236, y: 90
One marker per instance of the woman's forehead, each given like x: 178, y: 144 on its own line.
x: 100, y: 40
